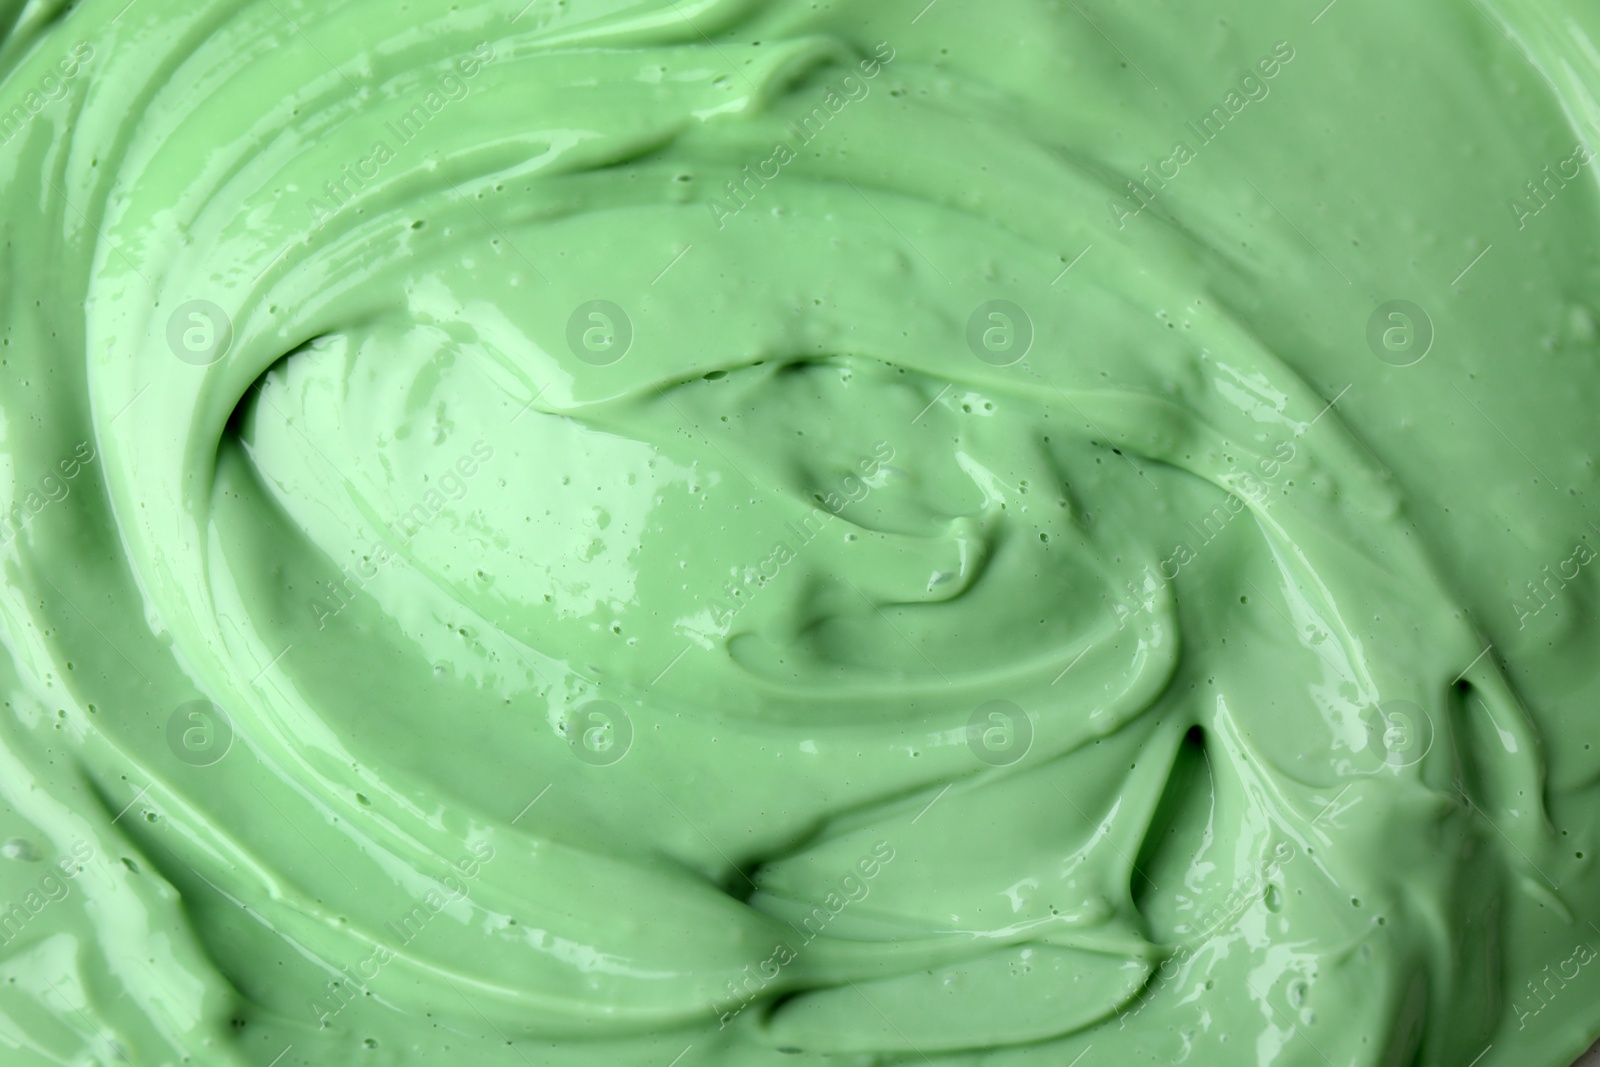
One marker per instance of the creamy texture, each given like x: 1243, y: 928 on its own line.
x: 799, y: 532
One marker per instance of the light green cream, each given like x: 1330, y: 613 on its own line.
x: 799, y: 532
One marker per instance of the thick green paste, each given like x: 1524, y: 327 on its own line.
x: 745, y: 533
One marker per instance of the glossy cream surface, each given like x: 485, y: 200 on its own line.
x: 799, y: 532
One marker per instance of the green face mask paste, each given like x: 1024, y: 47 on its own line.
x: 742, y: 533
